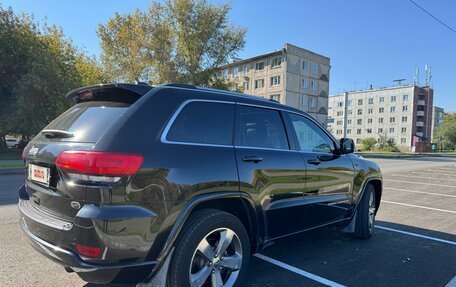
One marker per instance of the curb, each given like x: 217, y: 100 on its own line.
x: 19, y: 170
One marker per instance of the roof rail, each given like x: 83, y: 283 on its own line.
x: 187, y: 86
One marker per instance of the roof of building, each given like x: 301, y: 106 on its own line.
x: 380, y: 89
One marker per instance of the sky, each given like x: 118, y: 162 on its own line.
x: 368, y: 41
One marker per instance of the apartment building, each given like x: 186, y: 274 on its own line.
x: 437, y: 120
x: 403, y: 113
x: 292, y: 76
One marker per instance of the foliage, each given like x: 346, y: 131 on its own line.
x: 38, y: 66
x: 368, y: 143
x: 173, y: 41
x: 447, y: 131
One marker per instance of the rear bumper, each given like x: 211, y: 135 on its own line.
x: 92, y: 272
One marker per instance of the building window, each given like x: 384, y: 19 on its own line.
x: 340, y: 113
x: 313, y: 103
x: 381, y: 99
x: 225, y: 73
x: 370, y: 111
x: 304, y: 101
x: 358, y: 131
x: 259, y: 84
x: 405, y: 98
x: 275, y: 81
x: 276, y: 62
x: 360, y: 102
x: 245, y: 85
x: 305, y: 65
x: 369, y: 131
x: 392, y: 120
x: 391, y: 130
x: 340, y: 104
x: 349, y: 103
x: 245, y: 69
x: 349, y: 131
x: 313, y: 85
x: 369, y: 121
x: 275, y: 97
x: 393, y: 98
x: 349, y: 112
x: 359, y: 121
x: 403, y: 130
x: 305, y: 83
x: 404, y: 108
x: 393, y: 109
x: 381, y: 110
x: 339, y: 123
x: 358, y: 141
x: 259, y: 66
x: 403, y: 140
x: 339, y: 132
x: 235, y: 71
x: 349, y: 122
x: 380, y: 120
x: 360, y: 111
x: 380, y: 130
x: 371, y: 101
x: 404, y: 119
x: 313, y: 68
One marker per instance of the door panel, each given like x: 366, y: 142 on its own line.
x: 273, y: 175
x: 329, y: 176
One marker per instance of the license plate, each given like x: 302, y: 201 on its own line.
x: 39, y: 174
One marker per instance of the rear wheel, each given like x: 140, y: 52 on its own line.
x: 365, y: 215
x: 213, y: 250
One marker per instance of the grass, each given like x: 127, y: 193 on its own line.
x: 11, y: 165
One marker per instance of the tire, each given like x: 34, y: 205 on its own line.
x: 203, y: 231
x: 365, y: 215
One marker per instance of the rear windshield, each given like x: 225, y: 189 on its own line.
x: 87, y: 121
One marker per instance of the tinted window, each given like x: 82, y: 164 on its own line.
x: 310, y: 137
x: 87, y: 121
x: 204, y: 122
x: 261, y: 128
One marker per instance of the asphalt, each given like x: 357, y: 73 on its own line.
x: 414, y: 243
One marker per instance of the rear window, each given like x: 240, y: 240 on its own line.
x: 204, y: 123
x: 87, y: 121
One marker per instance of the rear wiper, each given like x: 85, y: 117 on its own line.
x: 57, y: 134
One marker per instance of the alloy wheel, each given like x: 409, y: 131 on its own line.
x: 371, y: 212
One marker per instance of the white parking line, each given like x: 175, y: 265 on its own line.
x: 416, y: 235
x: 425, y: 177
x: 452, y: 283
x: 298, y: 271
x: 422, y: 192
x: 430, y: 172
x: 433, y: 184
x: 448, y: 168
x: 419, y: 206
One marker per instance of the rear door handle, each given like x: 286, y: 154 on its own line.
x: 315, y: 161
x: 252, y: 158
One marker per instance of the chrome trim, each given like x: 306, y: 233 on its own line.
x: 265, y: 148
x: 177, y: 112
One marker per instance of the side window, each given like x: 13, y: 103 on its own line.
x: 261, y: 128
x: 205, y: 123
x: 310, y: 137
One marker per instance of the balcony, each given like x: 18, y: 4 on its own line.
x: 420, y: 134
x: 420, y: 113
x: 420, y: 124
x: 421, y: 102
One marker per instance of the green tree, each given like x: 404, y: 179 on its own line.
x: 368, y: 143
x: 447, y: 131
x: 38, y: 66
x: 173, y: 41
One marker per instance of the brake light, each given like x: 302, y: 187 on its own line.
x: 99, y: 163
x: 23, y: 153
x: 88, y: 251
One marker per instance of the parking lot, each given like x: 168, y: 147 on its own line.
x: 414, y: 242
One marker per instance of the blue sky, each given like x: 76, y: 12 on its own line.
x: 369, y: 42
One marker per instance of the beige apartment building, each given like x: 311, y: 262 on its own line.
x: 292, y: 76
x: 403, y: 113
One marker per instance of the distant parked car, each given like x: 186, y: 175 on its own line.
x: 12, y: 143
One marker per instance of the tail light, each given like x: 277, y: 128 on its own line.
x: 98, y: 166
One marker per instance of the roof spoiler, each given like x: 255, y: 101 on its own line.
x: 118, y: 92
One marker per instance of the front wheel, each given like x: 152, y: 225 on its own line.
x: 365, y: 215
x: 212, y: 250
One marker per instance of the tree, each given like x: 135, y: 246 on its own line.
x: 447, y: 131
x: 368, y: 143
x: 38, y: 66
x: 173, y: 41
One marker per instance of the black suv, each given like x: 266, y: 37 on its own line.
x: 135, y: 181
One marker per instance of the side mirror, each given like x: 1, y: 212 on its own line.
x: 347, y: 145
